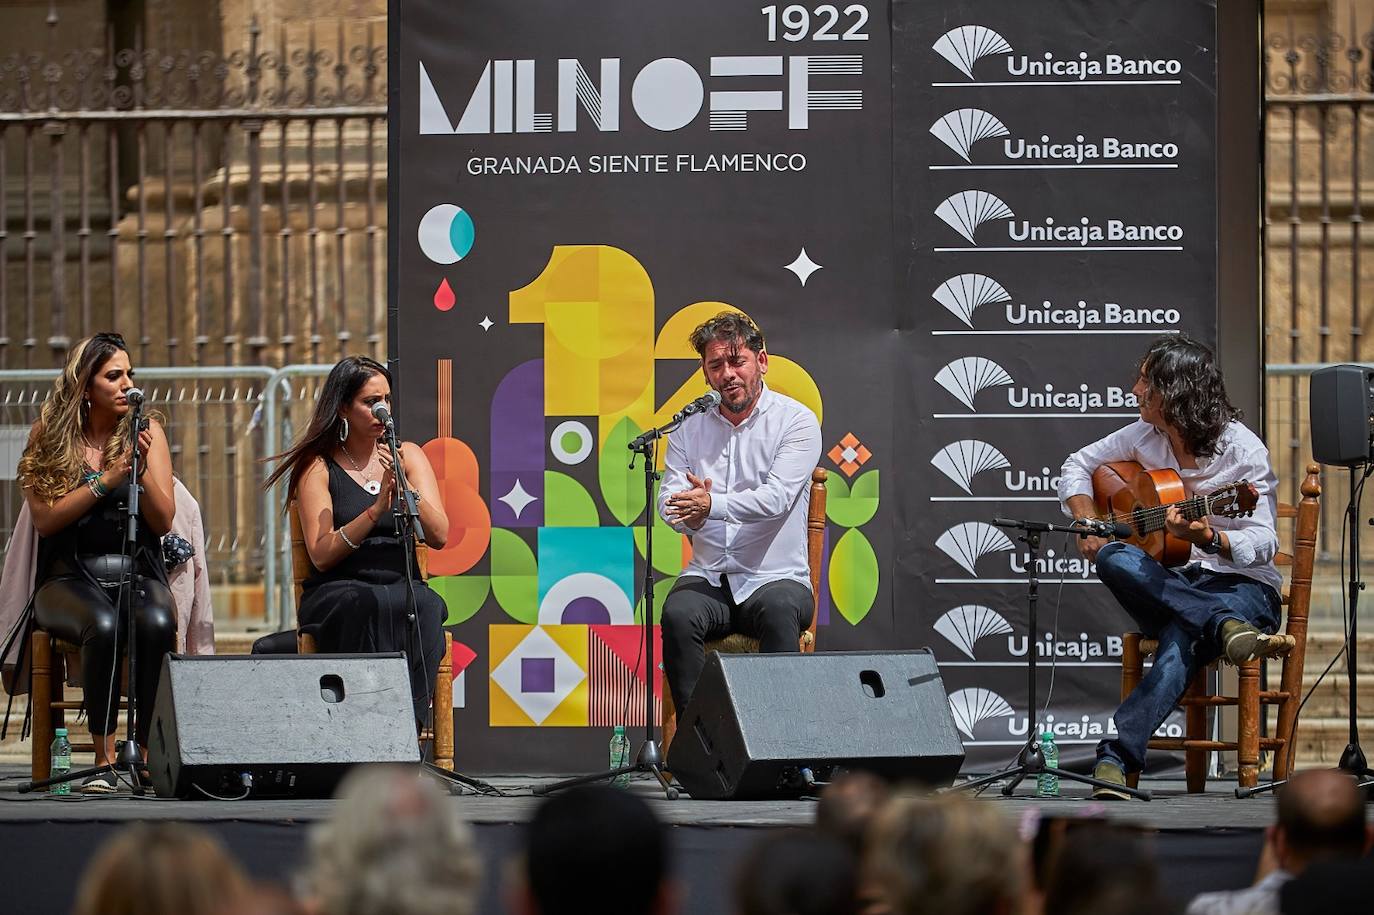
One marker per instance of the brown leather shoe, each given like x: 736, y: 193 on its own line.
x: 1241, y: 642
x: 1107, y: 771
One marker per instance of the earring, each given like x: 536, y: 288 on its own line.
x: 343, y: 429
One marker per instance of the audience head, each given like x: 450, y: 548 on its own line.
x: 1321, y: 815
x: 848, y: 805
x: 394, y: 845
x: 159, y: 869
x: 945, y: 854
x: 798, y: 872
x: 1099, y: 866
x: 585, y: 840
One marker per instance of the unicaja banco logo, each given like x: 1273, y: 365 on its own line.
x: 968, y: 44
x: 965, y: 625
x: 964, y: 294
x: 961, y: 460
x: 973, y: 706
x: 965, y: 211
x: 960, y: 129
x: 968, y: 542
x: 965, y: 377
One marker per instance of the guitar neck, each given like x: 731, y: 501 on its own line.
x: 1147, y: 521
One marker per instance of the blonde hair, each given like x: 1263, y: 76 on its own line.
x: 159, y: 869
x: 53, y: 462
x: 945, y: 854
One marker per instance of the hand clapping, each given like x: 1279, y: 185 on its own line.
x: 691, y: 506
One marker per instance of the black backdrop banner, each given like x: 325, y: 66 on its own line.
x: 957, y: 224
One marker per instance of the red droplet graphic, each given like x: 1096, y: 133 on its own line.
x: 444, y: 297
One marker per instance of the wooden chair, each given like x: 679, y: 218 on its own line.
x: 1250, y: 700
x: 442, y: 732
x: 735, y: 643
x: 54, y: 665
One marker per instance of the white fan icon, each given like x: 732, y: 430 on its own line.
x: 965, y: 211
x: 972, y: 706
x: 962, y: 459
x: 968, y: 542
x: 966, y: 624
x: 965, y: 377
x: 963, y: 294
x: 968, y: 44
x: 960, y: 129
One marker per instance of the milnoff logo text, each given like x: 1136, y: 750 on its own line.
x: 666, y: 94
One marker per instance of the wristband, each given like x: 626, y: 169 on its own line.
x: 351, y: 544
x: 97, y: 488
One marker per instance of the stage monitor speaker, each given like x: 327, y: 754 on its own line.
x: 1341, y: 402
x: 292, y: 724
x: 757, y: 721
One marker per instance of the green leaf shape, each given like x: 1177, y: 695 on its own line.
x: 667, y: 544
x: 853, y: 576
x: 464, y: 595
x: 852, y: 507
x: 621, y: 488
x: 514, y: 576
x: 662, y: 588
x: 567, y: 502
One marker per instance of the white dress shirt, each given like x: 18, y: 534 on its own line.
x: 1240, y: 456
x: 1260, y: 899
x: 760, y: 473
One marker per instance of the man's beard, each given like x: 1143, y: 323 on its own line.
x: 746, y: 401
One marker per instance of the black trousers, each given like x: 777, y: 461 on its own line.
x: 75, y: 610
x: 695, y: 612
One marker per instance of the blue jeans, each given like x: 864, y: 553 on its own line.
x: 1184, y: 609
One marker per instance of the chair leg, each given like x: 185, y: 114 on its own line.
x: 1285, y: 730
x: 40, y: 701
x: 1247, y: 742
x: 443, y: 707
x: 1195, y: 728
x: 1132, y: 669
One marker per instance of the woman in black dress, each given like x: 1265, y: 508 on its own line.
x: 75, y: 476
x: 340, y: 475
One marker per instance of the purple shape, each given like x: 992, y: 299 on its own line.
x: 536, y: 675
x: 517, y: 443
x: 586, y: 610
x: 823, y: 599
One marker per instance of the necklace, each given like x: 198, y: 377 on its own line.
x: 370, y: 485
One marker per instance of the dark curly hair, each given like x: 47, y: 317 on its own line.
x: 1183, y: 374
x: 727, y: 326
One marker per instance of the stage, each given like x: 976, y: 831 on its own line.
x: 1211, y: 841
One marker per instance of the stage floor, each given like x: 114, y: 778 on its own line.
x: 1208, y: 841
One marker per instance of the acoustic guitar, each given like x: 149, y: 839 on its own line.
x: 1127, y: 493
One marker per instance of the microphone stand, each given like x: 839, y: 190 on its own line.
x: 129, y: 757
x: 649, y: 759
x: 1030, y: 761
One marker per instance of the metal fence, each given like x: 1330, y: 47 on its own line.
x: 228, y: 207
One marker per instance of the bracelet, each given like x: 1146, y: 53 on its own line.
x: 96, y: 487
x: 351, y: 544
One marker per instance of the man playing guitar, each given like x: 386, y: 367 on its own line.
x: 1225, y: 601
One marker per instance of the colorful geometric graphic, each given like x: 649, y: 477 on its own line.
x: 463, y: 656
x: 615, y: 674
x: 446, y: 234
x: 850, y: 454
x: 586, y: 575
x: 538, y: 676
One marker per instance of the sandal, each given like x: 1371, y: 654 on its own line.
x: 100, y: 783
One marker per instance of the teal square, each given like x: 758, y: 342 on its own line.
x: 605, y: 551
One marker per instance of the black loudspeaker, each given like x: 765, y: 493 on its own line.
x: 286, y: 725
x: 757, y: 721
x: 1341, y: 402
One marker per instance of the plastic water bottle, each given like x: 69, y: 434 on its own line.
x: 620, y: 755
x: 1047, y: 785
x: 61, y: 762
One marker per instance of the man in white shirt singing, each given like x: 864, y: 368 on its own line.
x: 736, y: 482
x: 1225, y: 601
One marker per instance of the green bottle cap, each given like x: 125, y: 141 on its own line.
x: 620, y: 730
x: 61, y: 732
x: 1048, y: 735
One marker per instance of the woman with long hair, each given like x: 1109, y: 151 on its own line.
x: 75, y: 477
x: 340, y: 475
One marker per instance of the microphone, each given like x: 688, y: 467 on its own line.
x: 707, y: 401
x: 134, y: 396
x: 382, y: 414
x: 1102, y: 528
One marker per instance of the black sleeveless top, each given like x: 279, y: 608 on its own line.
x: 101, y: 531
x: 378, y: 558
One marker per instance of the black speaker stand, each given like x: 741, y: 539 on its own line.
x: 1030, y: 762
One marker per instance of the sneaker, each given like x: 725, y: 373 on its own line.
x: 1107, y: 771
x: 1241, y: 642
x: 100, y: 783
